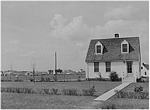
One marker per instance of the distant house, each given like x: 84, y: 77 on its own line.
x: 29, y: 73
x: 145, y: 70
x: 121, y: 55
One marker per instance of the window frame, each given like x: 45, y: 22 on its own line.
x: 97, y: 49
x: 98, y: 44
x: 96, y: 66
x: 124, y: 48
x: 124, y: 43
x: 108, y: 66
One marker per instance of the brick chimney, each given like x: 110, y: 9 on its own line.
x: 116, y: 35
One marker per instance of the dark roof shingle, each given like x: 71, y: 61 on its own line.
x: 112, y: 50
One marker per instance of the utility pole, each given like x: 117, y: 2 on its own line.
x: 11, y: 70
x: 33, y: 71
x: 56, y: 66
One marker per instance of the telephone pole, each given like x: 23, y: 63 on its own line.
x: 11, y: 70
x: 56, y: 66
x: 34, y: 71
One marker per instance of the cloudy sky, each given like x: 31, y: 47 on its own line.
x: 34, y: 30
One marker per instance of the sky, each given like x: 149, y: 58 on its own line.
x: 32, y: 31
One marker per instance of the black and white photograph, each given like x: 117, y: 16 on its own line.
x: 74, y: 54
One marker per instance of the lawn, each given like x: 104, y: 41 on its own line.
x: 32, y: 101
x: 125, y: 103
x: 100, y: 86
x: 131, y: 87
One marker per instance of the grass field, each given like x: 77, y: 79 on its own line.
x: 100, y: 86
x: 132, y: 86
x: 32, y: 101
x: 28, y: 101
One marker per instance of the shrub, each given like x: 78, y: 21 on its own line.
x: 114, y: 76
x: 40, y: 91
x: 133, y: 95
x: 55, y: 78
x: 18, y: 80
x: 31, y: 80
x: 89, y: 92
x: 46, y: 91
x: 70, y: 92
x: 97, y: 79
x: 42, y: 79
x: 138, y: 89
x: 54, y: 91
x: 140, y: 80
x: 48, y: 79
x: 79, y: 79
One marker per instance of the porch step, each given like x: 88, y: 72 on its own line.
x: 129, y: 75
x: 112, y: 92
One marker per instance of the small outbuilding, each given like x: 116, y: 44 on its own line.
x: 145, y: 70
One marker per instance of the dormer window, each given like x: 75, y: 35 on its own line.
x: 98, y: 48
x: 124, y: 47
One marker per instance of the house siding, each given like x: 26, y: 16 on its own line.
x: 119, y: 67
x: 136, y: 69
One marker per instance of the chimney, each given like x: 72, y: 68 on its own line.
x: 116, y: 35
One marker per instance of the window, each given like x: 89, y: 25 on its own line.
x: 98, y: 48
x: 96, y: 66
x: 129, y: 67
x: 145, y: 73
x: 124, y: 47
x: 108, y: 66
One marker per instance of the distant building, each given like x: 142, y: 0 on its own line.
x: 145, y: 70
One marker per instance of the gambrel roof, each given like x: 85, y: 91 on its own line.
x: 112, y: 50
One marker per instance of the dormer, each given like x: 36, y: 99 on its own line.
x: 124, y: 47
x: 98, y: 48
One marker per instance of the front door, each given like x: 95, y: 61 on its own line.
x: 129, y: 66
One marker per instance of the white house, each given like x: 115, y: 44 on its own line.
x: 145, y: 70
x: 121, y: 55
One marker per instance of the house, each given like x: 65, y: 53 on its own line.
x: 121, y: 55
x: 145, y: 70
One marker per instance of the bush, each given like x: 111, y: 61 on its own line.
x: 46, y: 91
x: 70, y: 92
x: 133, y: 95
x: 138, y: 89
x: 140, y: 80
x: 79, y: 79
x: 89, y: 92
x: 98, y: 79
x: 48, y: 79
x: 31, y: 80
x: 55, y: 78
x: 114, y: 76
x: 18, y: 80
x: 54, y: 91
x: 42, y: 79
